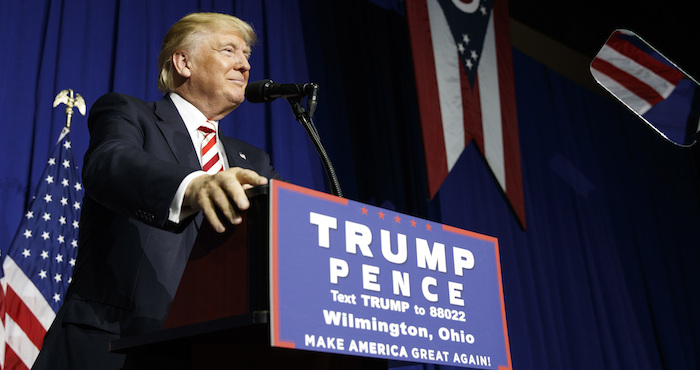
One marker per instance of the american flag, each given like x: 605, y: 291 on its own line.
x: 466, y: 92
x: 40, y: 260
x: 648, y: 84
x: 642, y: 78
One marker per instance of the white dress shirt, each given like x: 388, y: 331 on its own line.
x: 193, y: 118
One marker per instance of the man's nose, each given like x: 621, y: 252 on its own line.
x: 242, y: 63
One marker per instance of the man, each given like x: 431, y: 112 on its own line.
x: 147, y: 192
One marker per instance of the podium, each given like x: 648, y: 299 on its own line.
x: 314, y: 281
x: 220, y: 316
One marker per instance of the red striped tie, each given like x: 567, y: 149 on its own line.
x: 210, y: 153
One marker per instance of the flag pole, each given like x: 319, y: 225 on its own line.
x: 70, y: 99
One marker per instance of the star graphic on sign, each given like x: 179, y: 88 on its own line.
x: 364, y: 210
x: 397, y: 219
x: 428, y: 227
x: 381, y: 215
x: 413, y: 223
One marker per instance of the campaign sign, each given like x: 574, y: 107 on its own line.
x: 354, y: 279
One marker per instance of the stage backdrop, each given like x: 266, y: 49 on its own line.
x: 604, y: 277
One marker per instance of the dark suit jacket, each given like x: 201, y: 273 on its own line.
x: 130, y: 257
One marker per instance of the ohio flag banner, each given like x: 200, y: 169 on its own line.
x: 40, y: 260
x: 464, y: 75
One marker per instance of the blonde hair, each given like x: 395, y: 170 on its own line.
x: 186, y: 33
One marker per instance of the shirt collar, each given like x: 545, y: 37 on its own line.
x: 192, y: 116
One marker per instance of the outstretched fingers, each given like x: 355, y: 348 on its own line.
x: 222, y: 195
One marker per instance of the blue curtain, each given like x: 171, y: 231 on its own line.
x: 605, y: 276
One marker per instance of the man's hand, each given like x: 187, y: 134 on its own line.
x: 223, y: 192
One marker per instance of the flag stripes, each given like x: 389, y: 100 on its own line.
x: 635, y: 76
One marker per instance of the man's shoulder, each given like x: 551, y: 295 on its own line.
x: 118, y: 99
x: 112, y: 97
x: 114, y: 102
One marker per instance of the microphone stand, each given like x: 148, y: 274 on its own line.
x: 305, y: 119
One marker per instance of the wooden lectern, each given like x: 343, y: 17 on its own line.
x: 219, y: 316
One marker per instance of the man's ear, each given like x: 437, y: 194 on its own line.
x: 181, y: 63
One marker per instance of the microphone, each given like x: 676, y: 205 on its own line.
x: 265, y: 91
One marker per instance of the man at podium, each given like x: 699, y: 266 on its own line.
x: 154, y: 173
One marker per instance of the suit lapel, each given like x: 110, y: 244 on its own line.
x: 175, y: 133
x: 233, y: 155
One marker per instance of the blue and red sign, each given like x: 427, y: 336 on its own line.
x: 354, y: 279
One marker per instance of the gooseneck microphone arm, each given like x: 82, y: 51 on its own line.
x: 267, y: 91
x: 305, y: 119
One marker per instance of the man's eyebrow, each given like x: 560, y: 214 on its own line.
x: 246, y: 48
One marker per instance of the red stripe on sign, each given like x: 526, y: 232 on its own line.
x: 275, y: 187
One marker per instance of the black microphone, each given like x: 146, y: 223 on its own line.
x: 265, y: 91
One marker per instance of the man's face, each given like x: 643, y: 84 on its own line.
x: 220, y: 70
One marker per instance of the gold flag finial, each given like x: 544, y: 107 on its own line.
x: 66, y: 97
